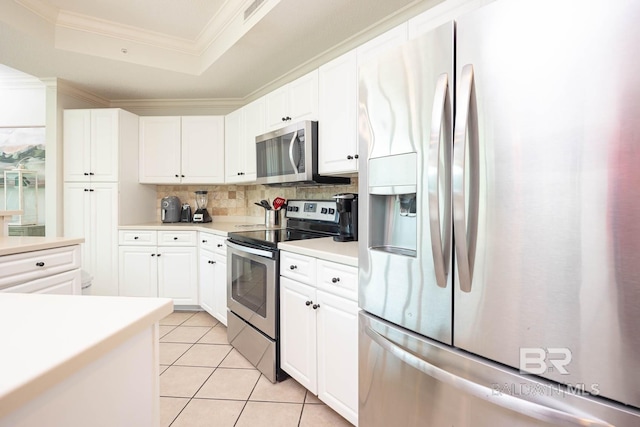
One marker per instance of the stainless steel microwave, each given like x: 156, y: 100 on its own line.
x: 290, y: 156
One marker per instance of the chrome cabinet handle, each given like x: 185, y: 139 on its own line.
x: 440, y: 245
x: 465, y: 233
x: 520, y: 405
x: 291, y: 144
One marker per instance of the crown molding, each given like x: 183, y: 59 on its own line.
x: 40, y: 8
x: 156, y: 107
x: 64, y: 87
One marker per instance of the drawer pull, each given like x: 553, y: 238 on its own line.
x: 293, y: 267
x: 204, y: 241
x: 40, y: 264
x: 308, y: 303
x: 220, y: 245
x: 159, y: 255
x: 211, y: 262
x: 335, y: 279
x: 153, y: 254
x: 135, y: 238
x: 175, y: 238
x: 316, y: 306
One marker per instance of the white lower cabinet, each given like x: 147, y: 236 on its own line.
x: 213, y: 275
x: 319, y: 332
x: 169, y: 269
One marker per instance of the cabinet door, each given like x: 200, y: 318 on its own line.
x: 254, y: 125
x: 277, y: 107
x: 298, y: 332
x: 160, y: 150
x: 77, y: 217
x: 203, y: 149
x: 337, y: 336
x: 103, y: 238
x: 220, y: 288
x: 177, y: 274
x: 76, y: 151
x: 233, y: 146
x: 207, y: 280
x: 105, y: 136
x: 338, y: 145
x: 138, y: 267
x: 303, y: 98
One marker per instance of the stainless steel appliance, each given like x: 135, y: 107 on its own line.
x: 201, y: 214
x: 347, y: 207
x: 525, y: 314
x: 253, y: 275
x: 170, y: 209
x: 290, y: 156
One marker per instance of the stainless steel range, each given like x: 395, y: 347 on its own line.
x: 253, y: 273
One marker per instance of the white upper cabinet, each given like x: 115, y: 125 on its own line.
x: 241, y: 128
x: 293, y: 102
x: 392, y: 38
x: 91, y: 140
x: 187, y: 150
x: 202, y: 149
x: 338, y: 115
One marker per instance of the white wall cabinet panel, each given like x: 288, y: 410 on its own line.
x: 390, y: 39
x: 241, y: 128
x: 91, y: 144
x: 92, y: 212
x: 338, y: 110
x: 206, y: 280
x: 160, y: 150
x: 182, y: 150
x: 202, y: 149
x: 298, y: 351
x: 293, y: 102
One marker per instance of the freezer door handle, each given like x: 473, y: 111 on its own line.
x: 465, y: 231
x: 521, y: 406
x: 440, y: 249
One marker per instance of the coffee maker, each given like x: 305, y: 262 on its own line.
x: 347, y: 207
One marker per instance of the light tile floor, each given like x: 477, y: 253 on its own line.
x: 206, y: 382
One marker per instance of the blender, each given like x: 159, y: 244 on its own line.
x: 201, y: 214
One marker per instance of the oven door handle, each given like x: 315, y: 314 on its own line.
x: 248, y: 249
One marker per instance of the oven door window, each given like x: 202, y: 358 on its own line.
x: 277, y: 156
x: 249, y: 284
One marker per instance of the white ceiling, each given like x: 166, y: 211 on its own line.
x: 187, y: 49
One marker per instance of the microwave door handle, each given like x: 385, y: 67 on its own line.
x: 291, y: 145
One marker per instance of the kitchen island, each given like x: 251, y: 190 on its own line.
x: 79, y: 361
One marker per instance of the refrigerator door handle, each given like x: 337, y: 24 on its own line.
x: 440, y: 249
x: 525, y: 407
x: 465, y: 232
x: 291, y: 145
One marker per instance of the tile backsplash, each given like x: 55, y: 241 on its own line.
x: 238, y: 200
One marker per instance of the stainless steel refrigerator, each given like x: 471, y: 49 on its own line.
x: 500, y: 234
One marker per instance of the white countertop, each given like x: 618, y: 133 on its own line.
x: 46, y: 338
x: 325, y: 248
x: 221, y: 228
x: 17, y: 244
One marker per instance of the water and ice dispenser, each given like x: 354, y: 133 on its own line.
x: 392, y: 187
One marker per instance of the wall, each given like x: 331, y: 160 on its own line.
x: 238, y: 200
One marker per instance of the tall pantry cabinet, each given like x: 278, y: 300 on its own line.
x: 101, y: 189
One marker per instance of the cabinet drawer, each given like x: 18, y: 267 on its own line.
x: 138, y: 237
x: 67, y: 283
x: 298, y: 267
x: 177, y: 238
x: 338, y: 279
x: 213, y: 242
x: 21, y: 268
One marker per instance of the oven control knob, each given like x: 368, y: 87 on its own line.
x: 332, y: 211
x: 296, y: 209
x: 324, y: 210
